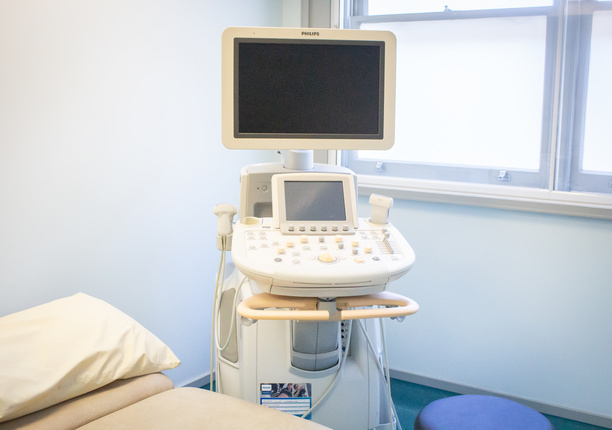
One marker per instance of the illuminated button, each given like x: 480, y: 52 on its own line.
x: 367, y: 249
x: 304, y: 239
x: 359, y: 259
x: 289, y: 244
x: 280, y: 250
x: 338, y: 238
x: 354, y: 243
x: 327, y: 258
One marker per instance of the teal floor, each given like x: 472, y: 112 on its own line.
x: 410, y: 398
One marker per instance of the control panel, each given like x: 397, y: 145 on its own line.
x: 320, y: 261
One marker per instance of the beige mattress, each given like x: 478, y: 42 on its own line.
x: 81, y: 410
x: 150, y: 402
x: 194, y: 408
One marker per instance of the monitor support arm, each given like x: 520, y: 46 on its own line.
x: 298, y: 159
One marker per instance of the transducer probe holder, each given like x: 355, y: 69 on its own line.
x: 380, y: 209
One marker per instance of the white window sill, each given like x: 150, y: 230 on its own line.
x: 515, y: 198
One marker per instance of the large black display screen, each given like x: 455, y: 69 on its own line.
x: 308, y: 89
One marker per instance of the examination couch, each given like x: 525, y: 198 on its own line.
x: 78, y: 362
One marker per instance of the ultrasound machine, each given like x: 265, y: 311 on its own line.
x: 298, y: 306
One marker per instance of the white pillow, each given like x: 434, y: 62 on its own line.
x: 68, y: 347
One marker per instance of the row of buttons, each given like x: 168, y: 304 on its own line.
x: 315, y: 228
x: 381, y: 240
x: 283, y: 249
x: 304, y: 240
x: 326, y: 258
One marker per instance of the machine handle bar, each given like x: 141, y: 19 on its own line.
x: 266, y: 306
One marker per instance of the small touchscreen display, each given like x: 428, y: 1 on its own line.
x: 314, y: 201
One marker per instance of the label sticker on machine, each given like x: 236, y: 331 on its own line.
x: 293, y: 398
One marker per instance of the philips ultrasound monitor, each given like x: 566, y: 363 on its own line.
x: 287, y: 88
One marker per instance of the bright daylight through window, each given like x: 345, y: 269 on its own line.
x: 499, y: 102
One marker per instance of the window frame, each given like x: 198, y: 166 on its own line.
x: 541, y: 191
x: 571, y: 176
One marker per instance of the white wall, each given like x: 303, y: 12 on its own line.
x: 111, y: 159
x: 512, y: 302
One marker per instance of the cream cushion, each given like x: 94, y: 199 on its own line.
x: 68, y: 347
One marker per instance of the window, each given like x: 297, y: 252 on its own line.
x: 497, y: 101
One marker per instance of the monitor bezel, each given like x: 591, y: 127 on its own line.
x: 355, y: 142
x: 279, y: 205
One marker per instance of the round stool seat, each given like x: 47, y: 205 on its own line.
x: 479, y: 412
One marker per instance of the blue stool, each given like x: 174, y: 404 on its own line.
x: 471, y: 412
